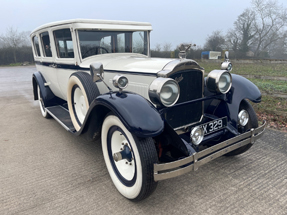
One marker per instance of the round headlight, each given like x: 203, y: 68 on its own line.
x: 164, y: 91
x: 169, y: 93
x: 219, y: 81
x: 224, y: 83
x: 120, y: 81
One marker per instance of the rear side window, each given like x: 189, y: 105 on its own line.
x: 36, y: 46
x: 46, y: 45
x: 64, y: 43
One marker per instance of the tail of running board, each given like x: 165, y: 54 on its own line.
x: 62, y: 116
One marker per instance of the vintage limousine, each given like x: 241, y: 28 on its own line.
x: 157, y: 118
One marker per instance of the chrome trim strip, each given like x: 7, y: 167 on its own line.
x: 59, y: 121
x: 173, y: 169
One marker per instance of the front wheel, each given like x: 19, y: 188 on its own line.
x: 81, y: 92
x: 252, y: 123
x: 129, y: 159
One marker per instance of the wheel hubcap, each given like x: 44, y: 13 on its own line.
x: 122, y: 156
x: 80, y: 105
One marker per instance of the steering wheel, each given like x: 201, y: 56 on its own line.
x: 95, y: 49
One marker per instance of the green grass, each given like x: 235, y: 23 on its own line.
x: 12, y: 64
x: 256, y: 68
x: 270, y: 86
x: 272, y: 109
x: 15, y: 64
x: 271, y: 104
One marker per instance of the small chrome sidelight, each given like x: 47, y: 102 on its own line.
x: 164, y: 91
x: 226, y: 65
x: 219, y: 81
x: 196, y: 135
x: 243, y: 117
x: 120, y: 81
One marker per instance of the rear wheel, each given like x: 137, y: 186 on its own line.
x: 252, y: 123
x: 44, y: 112
x: 129, y: 160
x: 81, y: 92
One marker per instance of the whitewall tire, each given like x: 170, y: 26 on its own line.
x: 132, y: 175
x: 43, y: 110
x: 81, y: 92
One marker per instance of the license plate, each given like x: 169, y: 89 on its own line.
x: 214, y: 125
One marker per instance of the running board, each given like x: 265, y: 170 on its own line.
x: 62, y: 116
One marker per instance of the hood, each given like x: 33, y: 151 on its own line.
x: 128, y: 62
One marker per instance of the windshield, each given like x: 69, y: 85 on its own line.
x: 94, y: 42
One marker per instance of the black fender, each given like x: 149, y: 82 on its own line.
x: 46, y: 93
x: 241, y: 89
x: 138, y: 115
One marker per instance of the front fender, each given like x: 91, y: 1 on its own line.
x: 241, y: 89
x: 138, y: 115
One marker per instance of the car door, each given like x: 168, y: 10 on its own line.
x: 65, y: 61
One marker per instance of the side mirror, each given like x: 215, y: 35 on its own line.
x: 97, y: 72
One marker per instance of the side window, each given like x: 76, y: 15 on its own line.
x: 46, y: 46
x: 64, y: 43
x: 36, y: 46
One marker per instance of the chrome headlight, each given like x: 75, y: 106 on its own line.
x: 120, y: 81
x: 164, y: 91
x: 219, y: 81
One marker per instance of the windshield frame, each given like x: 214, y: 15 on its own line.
x: 146, y: 43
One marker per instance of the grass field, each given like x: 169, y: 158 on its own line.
x: 272, y: 108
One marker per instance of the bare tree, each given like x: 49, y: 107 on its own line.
x: 157, y: 47
x: 241, y: 37
x: 270, y: 25
x: 278, y: 49
x: 215, y: 41
x: 167, y: 47
x: 14, y: 40
x: 258, y: 28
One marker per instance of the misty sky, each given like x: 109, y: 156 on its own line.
x: 173, y: 21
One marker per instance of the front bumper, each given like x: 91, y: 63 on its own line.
x: 180, y: 167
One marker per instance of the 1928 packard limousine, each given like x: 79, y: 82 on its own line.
x: 157, y: 118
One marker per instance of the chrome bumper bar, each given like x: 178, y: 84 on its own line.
x: 173, y: 169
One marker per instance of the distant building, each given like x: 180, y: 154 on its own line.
x: 210, y: 55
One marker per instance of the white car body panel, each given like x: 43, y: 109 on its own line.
x: 121, y: 62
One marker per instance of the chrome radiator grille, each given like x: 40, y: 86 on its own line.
x: 190, y: 83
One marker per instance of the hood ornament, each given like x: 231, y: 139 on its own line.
x: 183, y: 48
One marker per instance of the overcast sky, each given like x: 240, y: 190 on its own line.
x: 173, y: 21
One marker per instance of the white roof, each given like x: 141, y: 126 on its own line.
x: 99, y: 24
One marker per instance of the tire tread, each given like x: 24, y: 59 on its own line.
x: 149, y: 157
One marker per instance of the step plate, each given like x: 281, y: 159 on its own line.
x: 62, y: 115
